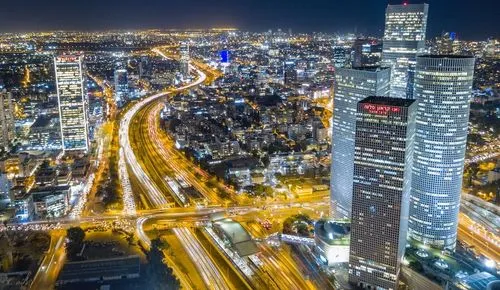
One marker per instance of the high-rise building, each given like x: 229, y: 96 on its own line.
x: 357, y: 51
x: 492, y: 49
x: 404, y: 38
x: 289, y: 72
x: 184, y: 52
x: 7, y: 129
x: 121, y: 86
x: 351, y: 86
x: 447, y: 43
x: 443, y: 88
x: 339, y: 56
x: 73, y: 103
x: 385, y: 129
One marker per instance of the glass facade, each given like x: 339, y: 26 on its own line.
x: 121, y: 85
x: 73, y: 103
x: 443, y: 88
x: 385, y: 130
x: 404, y: 38
x: 351, y: 86
x: 184, y: 61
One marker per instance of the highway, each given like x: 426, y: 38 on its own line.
x: 210, y: 273
x: 52, y: 263
x: 475, y: 235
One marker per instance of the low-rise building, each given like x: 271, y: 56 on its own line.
x: 51, y: 202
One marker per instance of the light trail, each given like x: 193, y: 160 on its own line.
x: 211, y: 275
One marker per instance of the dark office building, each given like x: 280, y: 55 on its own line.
x: 289, y: 72
x: 381, y: 188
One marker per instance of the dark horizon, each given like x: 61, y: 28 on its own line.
x: 469, y: 20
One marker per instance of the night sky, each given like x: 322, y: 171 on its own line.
x: 471, y: 19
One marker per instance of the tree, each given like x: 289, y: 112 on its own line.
x: 160, y: 275
x: 75, y: 236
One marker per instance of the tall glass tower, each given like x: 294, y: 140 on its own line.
x: 7, y: 128
x: 383, y: 154
x: 443, y: 88
x: 404, y: 38
x: 184, y: 60
x: 121, y: 86
x: 351, y: 86
x: 73, y: 104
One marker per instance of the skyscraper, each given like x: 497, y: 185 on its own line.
x: 121, y: 86
x: 339, y: 56
x: 7, y: 129
x: 184, y: 52
x: 289, y: 72
x: 447, y: 43
x: 385, y: 129
x: 351, y: 86
x: 404, y: 38
x: 443, y: 87
x: 73, y: 104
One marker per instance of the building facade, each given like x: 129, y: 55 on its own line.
x: 7, y: 128
x: 121, y: 86
x: 443, y: 89
x: 385, y: 130
x: 351, y: 86
x: 73, y: 103
x: 184, y: 52
x: 404, y: 38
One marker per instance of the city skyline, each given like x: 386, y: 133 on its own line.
x: 228, y: 159
x: 319, y: 15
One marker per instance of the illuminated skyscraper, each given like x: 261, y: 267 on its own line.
x: 184, y: 52
x: 73, y: 104
x: 339, y: 56
x: 121, y: 86
x: 443, y: 88
x: 447, y: 43
x: 385, y: 129
x: 351, y: 86
x: 7, y: 129
x: 404, y: 38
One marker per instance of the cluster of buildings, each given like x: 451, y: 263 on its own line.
x: 39, y: 184
x: 247, y: 141
x: 399, y: 139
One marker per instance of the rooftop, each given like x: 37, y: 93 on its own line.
x: 238, y: 236
x: 445, y: 56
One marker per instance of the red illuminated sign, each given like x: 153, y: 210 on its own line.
x: 380, y: 109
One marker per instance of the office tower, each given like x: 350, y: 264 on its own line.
x: 404, y: 38
x: 492, y: 49
x: 7, y: 132
x: 184, y: 52
x: 351, y: 86
x: 385, y: 128
x: 443, y: 88
x: 447, y: 43
x: 73, y: 104
x: 339, y: 56
x: 444, y: 44
x: 121, y: 86
x: 357, y: 52
x: 289, y: 72
x: 145, y: 67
